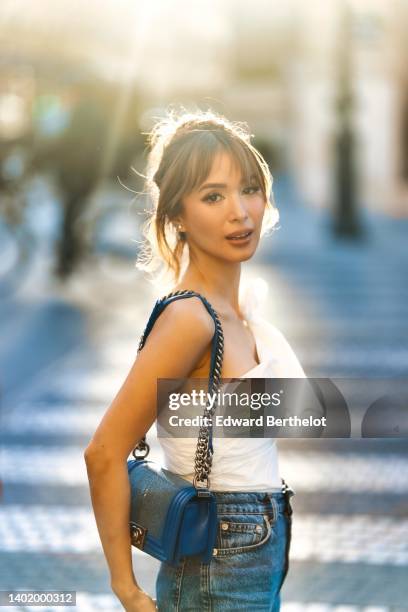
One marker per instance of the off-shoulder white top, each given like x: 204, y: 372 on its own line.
x: 243, y: 464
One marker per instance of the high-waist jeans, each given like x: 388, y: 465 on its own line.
x: 249, y: 563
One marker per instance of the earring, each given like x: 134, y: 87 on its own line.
x: 181, y: 232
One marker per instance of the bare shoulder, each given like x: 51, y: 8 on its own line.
x: 175, y: 345
x: 187, y: 317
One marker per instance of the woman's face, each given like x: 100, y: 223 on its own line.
x: 220, y: 206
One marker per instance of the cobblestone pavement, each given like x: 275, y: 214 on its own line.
x: 344, y: 312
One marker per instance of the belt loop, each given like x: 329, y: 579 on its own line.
x: 275, y: 508
x: 269, y: 499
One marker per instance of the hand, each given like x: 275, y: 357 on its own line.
x: 136, y: 600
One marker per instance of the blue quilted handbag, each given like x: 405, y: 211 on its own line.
x: 171, y: 518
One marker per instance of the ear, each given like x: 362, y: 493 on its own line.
x: 178, y: 224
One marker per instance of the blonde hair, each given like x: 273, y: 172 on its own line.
x: 182, y: 150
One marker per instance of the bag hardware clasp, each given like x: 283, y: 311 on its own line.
x: 137, y: 534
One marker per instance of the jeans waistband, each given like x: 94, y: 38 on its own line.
x: 254, y: 501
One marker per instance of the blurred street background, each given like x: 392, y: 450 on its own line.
x: 324, y: 89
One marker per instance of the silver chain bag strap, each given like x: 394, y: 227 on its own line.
x: 170, y: 518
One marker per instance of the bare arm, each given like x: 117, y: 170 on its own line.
x: 178, y: 340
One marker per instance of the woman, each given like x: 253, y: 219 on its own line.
x: 211, y: 191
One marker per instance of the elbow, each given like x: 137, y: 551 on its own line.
x: 89, y: 453
x: 99, y: 459
x: 95, y: 457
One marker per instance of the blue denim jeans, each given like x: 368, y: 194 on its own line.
x: 249, y: 563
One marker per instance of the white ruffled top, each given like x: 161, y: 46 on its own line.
x: 243, y: 464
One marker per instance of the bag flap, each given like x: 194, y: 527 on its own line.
x: 155, y: 491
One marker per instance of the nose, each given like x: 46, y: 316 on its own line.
x: 238, y: 211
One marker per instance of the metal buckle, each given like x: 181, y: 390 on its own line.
x: 287, y: 492
x: 144, y: 449
x: 286, y: 489
x: 201, y: 492
x: 206, y: 486
x: 137, y: 534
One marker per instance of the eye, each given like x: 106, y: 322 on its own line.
x: 210, y: 197
x: 252, y: 189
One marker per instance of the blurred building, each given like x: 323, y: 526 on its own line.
x: 284, y: 79
x: 377, y: 48
x: 274, y: 65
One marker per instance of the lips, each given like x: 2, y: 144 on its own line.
x: 239, y: 235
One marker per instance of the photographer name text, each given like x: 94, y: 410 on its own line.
x: 259, y: 421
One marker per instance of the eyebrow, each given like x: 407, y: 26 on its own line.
x: 221, y: 185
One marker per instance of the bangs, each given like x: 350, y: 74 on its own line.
x: 199, y: 154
